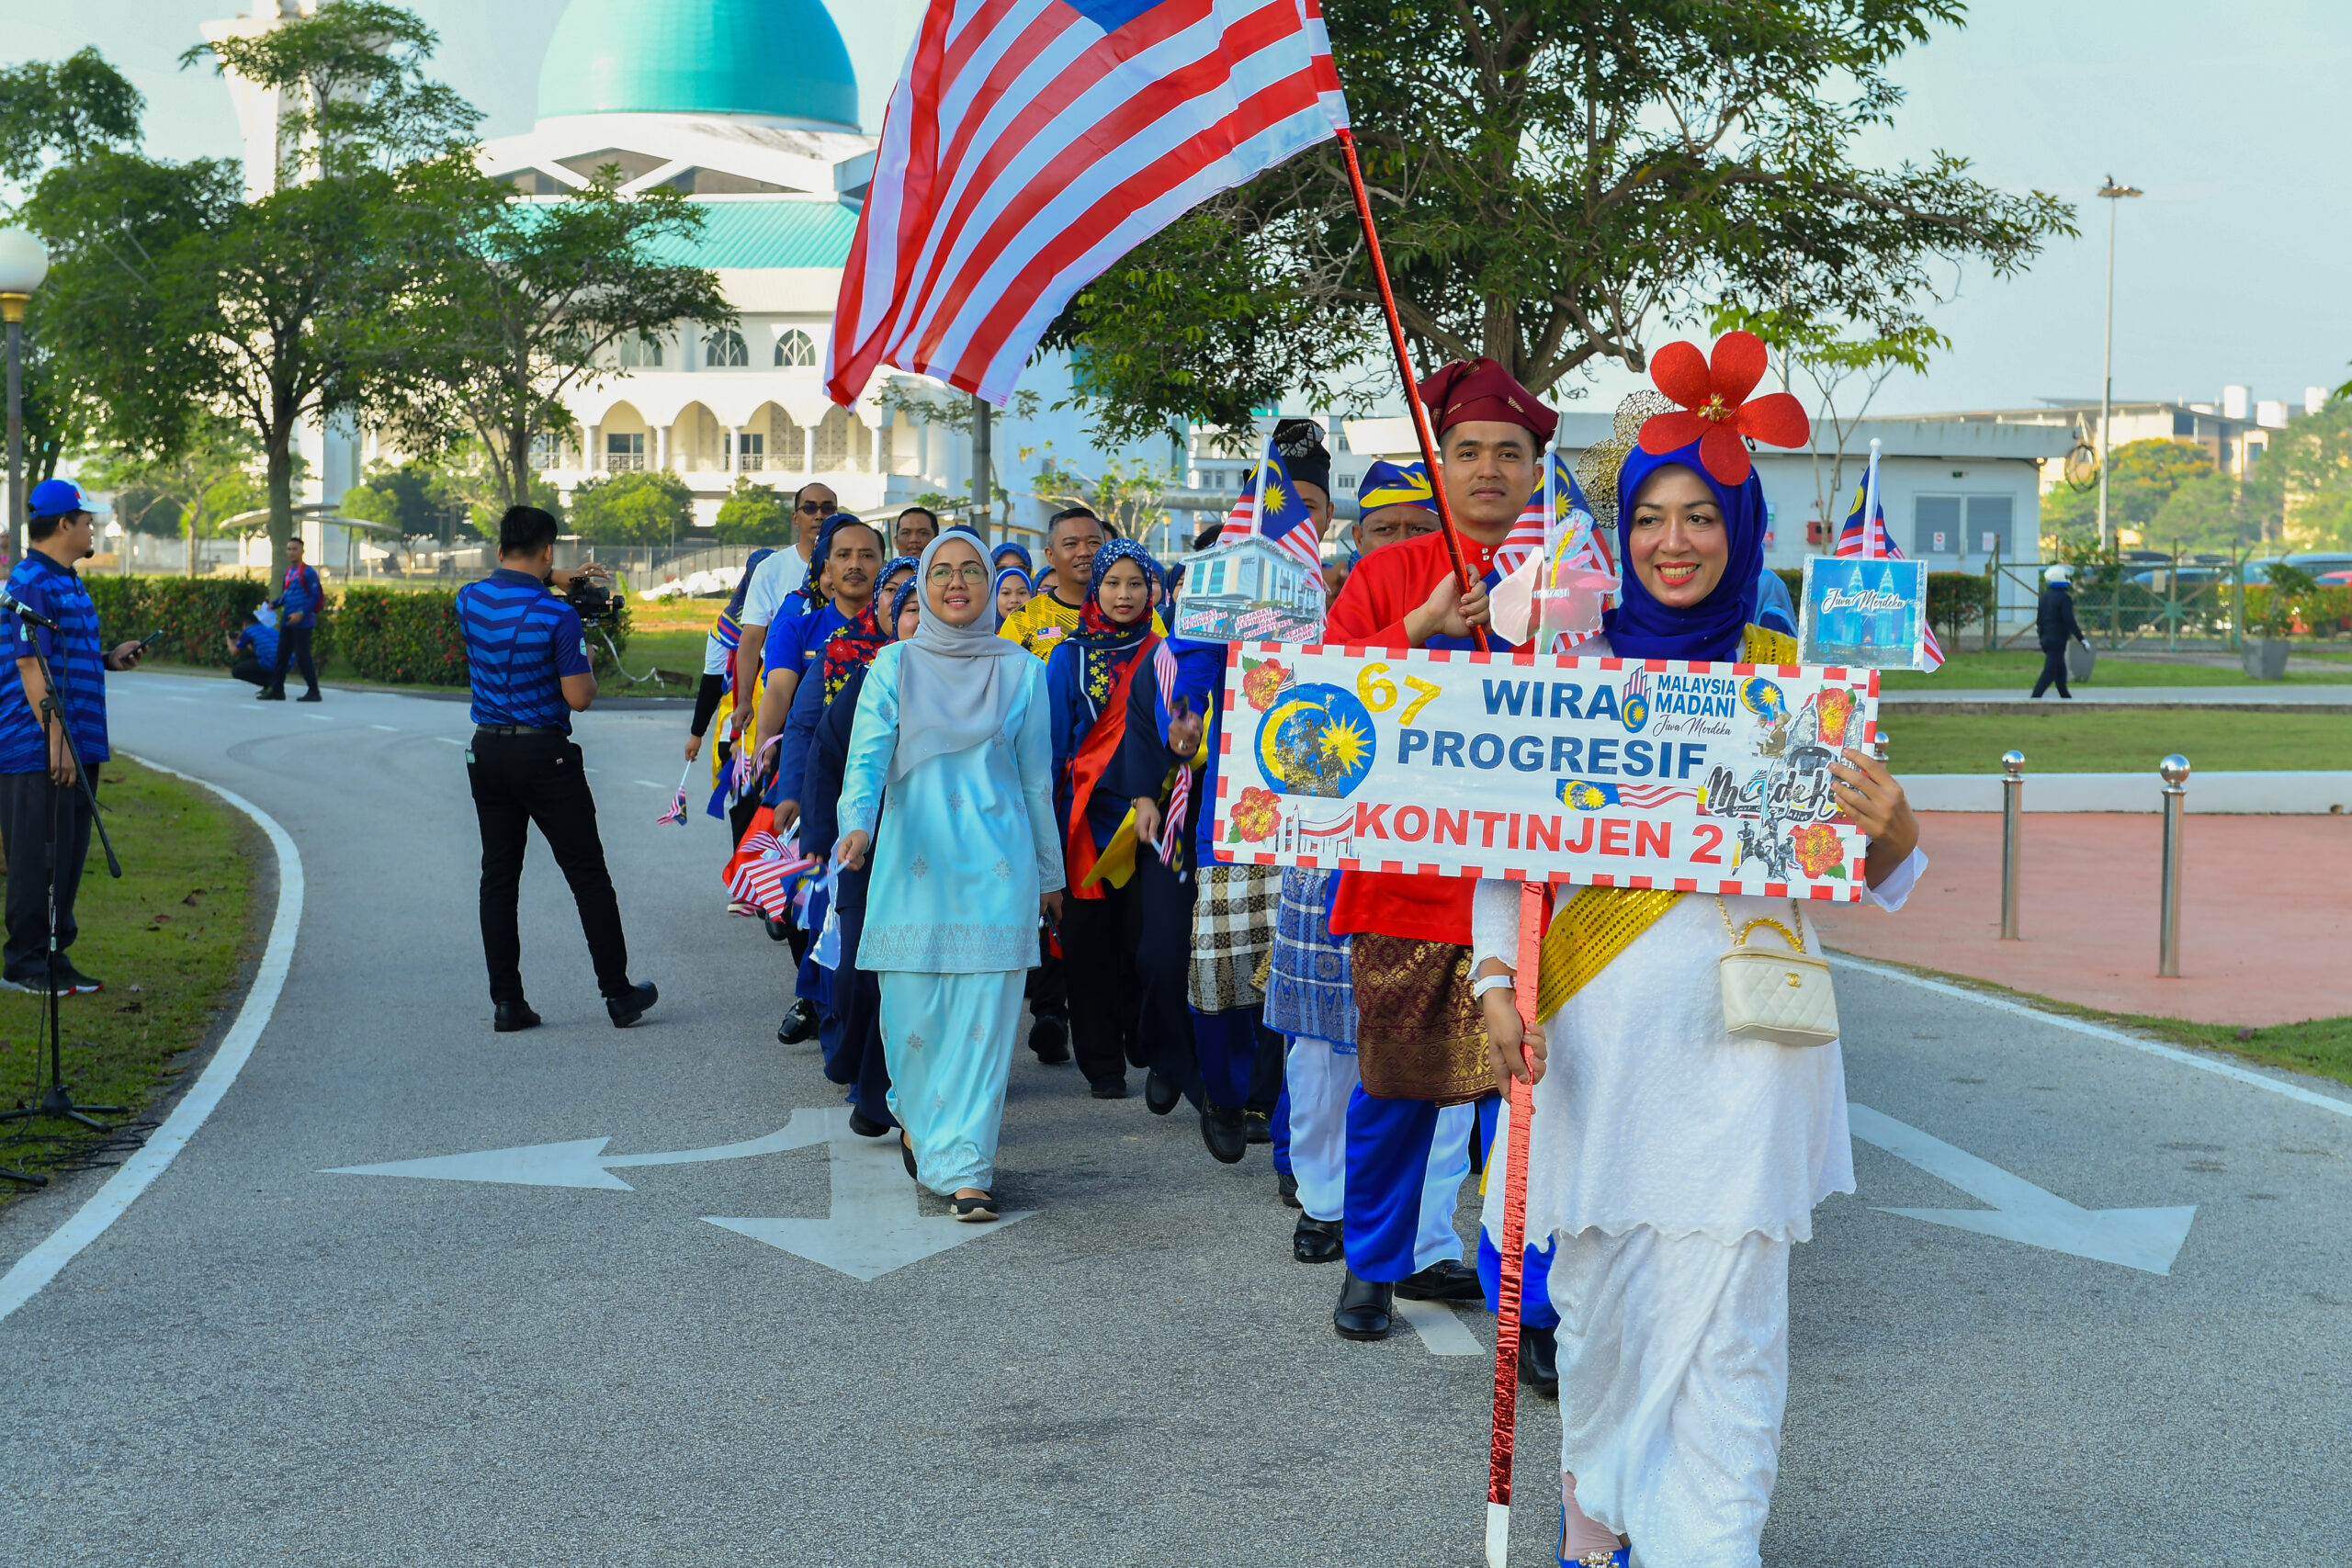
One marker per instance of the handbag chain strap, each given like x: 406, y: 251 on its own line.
x: 1796, y: 938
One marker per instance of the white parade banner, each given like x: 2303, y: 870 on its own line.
x: 1611, y: 773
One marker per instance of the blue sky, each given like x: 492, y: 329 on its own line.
x: 2228, y: 269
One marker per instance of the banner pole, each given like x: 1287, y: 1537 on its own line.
x: 1534, y: 916
x: 1421, y: 431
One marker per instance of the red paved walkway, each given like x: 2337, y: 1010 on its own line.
x: 2266, y: 914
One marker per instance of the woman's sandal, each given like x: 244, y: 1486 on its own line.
x: 974, y: 1211
x: 907, y: 1153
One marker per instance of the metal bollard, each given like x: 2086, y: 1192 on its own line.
x: 2174, y: 770
x: 2012, y: 807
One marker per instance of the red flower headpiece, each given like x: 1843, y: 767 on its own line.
x: 1716, y: 410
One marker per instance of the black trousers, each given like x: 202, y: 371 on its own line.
x: 1163, y: 973
x: 2054, y: 669
x: 539, y: 778
x: 253, y: 671
x: 1099, y: 940
x: 294, y: 643
x: 24, y: 827
x: 1047, y: 988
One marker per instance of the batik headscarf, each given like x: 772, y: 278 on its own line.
x: 899, y: 599
x: 896, y: 563
x: 1107, y: 648
x: 996, y: 589
x: 1641, y: 627
x: 1018, y: 552
x: 956, y: 686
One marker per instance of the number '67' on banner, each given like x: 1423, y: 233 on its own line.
x: 1613, y: 773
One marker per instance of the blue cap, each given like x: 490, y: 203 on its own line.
x: 55, y: 498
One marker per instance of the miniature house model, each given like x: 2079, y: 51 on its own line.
x: 1249, y: 591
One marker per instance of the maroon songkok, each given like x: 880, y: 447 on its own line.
x: 1480, y: 388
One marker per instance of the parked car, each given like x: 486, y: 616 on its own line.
x: 2184, y: 581
x: 2316, y: 562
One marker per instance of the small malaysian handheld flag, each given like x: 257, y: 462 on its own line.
x: 677, y: 812
x: 1272, y: 508
x: 1030, y: 145
x: 1863, y: 534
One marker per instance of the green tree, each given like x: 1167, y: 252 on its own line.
x: 411, y: 498
x: 2145, y: 474
x: 531, y: 302
x: 754, y: 513
x: 1125, y: 496
x: 2311, y: 465
x: 190, y: 493
x: 1554, y: 179
x: 640, y: 508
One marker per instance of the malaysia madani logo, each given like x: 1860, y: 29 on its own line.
x: 1633, y: 711
x: 1764, y: 699
x: 1317, y: 740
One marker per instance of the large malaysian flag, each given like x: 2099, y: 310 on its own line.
x: 1031, y: 143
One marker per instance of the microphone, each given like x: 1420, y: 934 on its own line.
x: 9, y: 602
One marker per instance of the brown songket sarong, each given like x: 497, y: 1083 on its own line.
x: 1233, y: 930
x: 1418, y: 1033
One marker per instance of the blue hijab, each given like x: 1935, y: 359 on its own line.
x: 899, y: 605
x: 1641, y: 627
x: 1017, y: 552
x: 996, y: 589
x: 824, y: 547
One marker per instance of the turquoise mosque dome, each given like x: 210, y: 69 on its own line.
x: 777, y: 58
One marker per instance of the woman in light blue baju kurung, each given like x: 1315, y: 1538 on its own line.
x: 963, y: 856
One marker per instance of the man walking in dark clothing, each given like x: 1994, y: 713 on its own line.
x: 299, y: 600
x: 2054, y: 621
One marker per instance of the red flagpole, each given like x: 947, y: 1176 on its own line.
x: 1404, y: 371
x: 1534, y: 916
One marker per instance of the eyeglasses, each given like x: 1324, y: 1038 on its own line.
x: 811, y: 507
x: 970, y: 571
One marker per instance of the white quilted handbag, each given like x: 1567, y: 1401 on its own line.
x: 1769, y: 994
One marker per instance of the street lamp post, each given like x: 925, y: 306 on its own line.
x: 2114, y: 195
x: 23, y: 264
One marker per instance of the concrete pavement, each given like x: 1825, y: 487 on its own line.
x: 264, y: 1362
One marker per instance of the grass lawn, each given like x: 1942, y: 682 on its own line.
x: 2080, y: 740
x: 168, y: 940
x: 2018, y: 666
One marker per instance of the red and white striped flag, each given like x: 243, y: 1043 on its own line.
x: 1031, y: 143
x: 1864, y: 534
x: 1272, y: 508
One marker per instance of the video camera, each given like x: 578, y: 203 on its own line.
x: 593, y: 602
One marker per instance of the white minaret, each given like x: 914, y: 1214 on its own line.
x: 257, y: 107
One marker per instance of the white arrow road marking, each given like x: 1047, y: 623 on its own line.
x: 875, y: 1226
x: 1443, y: 1333
x: 2147, y: 1239
x: 581, y: 1162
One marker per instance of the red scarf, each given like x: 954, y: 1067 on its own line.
x: 1086, y: 770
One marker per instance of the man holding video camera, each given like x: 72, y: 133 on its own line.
x: 528, y: 656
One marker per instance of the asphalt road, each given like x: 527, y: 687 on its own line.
x: 264, y: 1362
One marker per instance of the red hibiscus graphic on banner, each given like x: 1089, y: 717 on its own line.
x: 1818, y: 849
x: 1263, y: 683
x: 1256, y: 814
x: 1836, y: 711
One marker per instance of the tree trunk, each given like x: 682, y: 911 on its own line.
x: 187, y: 521
x: 518, y: 465
x: 280, y: 450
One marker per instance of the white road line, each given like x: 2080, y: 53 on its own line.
x: 1440, y: 1331
x: 648, y: 783
x: 2096, y: 1032
x: 449, y: 740
x: 386, y: 728
x: 318, y: 718
x: 42, y: 1265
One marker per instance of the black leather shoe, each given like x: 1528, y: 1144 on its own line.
x: 800, y: 1024
x: 778, y: 931
x: 1160, y: 1096
x: 864, y: 1127
x: 1446, y: 1280
x: 512, y: 1016
x: 1111, y: 1088
x: 1365, y: 1309
x: 1258, y: 1126
x: 269, y: 696
x: 1316, y: 1241
x: 1050, y: 1037
x: 1539, y: 1361
x: 1286, y: 1189
x: 312, y: 696
x: 1222, y: 1131
x: 629, y: 1008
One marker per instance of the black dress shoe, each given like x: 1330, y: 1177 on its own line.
x: 269, y: 697
x: 514, y: 1016
x: 1365, y: 1309
x: 1222, y: 1131
x: 1258, y: 1126
x: 1539, y: 1361
x: 1286, y: 1189
x: 1316, y: 1241
x: 778, y: 931
x: 864, y: 1127
x: 1050, y: 1037
x: 799, y: 1023
x: 1446, y: 1280
x: 1160, y: 1096
x: 310, y: 697
x: 1111, y: 1088
x: 630, y: 1006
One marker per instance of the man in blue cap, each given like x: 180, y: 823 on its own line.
x: 40, y: 786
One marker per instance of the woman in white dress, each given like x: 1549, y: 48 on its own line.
x: 1674, y: 1162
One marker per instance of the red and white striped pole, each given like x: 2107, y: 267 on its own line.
x: 1534, y: 916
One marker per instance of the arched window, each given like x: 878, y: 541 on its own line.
x: 638, y: 351
x: 724, y: 350
x: 795, y: 348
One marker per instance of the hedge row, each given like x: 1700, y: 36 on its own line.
x: 195, y: 614
x: 406, y: 638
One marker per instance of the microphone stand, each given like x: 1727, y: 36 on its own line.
x: 57, y: 1102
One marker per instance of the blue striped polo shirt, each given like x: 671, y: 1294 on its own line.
x: 300, y: 596
x: 521, y: 641
x: 75, y: 659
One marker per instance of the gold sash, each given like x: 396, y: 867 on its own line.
x: 1599, y: 923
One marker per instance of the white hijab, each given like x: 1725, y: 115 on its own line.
x: 954, y: 688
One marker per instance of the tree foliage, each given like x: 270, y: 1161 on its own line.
x: 1553, y: 180
x: 2144, y: 476
x: 754, y: 513
x: 641, y: 508
x: 67, y: 110
x: 188, y: 494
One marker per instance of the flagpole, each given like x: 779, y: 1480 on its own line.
x: 1534, y: 919
x: 1421, y: 431
x: 1874, y: 540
